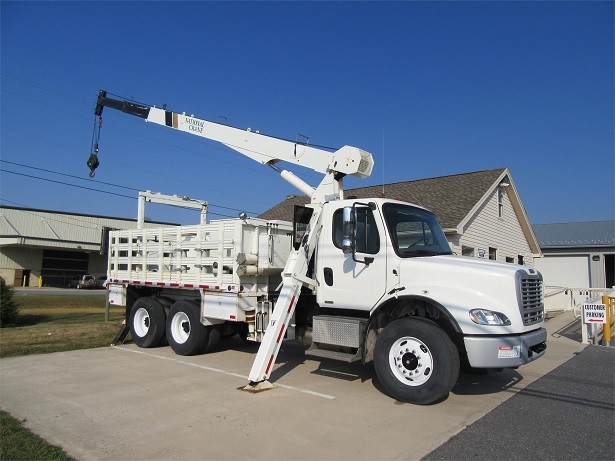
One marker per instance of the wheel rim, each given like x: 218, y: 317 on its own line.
x: 411, y: 361
x: 180, y: 327
x: 141, y: 322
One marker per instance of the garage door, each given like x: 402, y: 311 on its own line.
x: 564, y: 271
x: 59, y: 267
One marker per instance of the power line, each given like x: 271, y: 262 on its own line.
x: 66, y: 184
x: 96, y: 181
x: 139, y: 168
x: 69, y: 175
x: 105, y: 192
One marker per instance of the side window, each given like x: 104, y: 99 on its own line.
x: 367, y: 237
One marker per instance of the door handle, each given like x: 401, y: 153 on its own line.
x: 328, y: 273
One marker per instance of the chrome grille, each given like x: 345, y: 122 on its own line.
x: 530, y: 297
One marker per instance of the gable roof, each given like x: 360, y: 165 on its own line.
x: 576, y: 234
x: 451, y: 198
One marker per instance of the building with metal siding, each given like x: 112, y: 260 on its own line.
x: 578, y: 254
x: 50, y: 248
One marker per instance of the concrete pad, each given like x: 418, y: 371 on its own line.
x: 129, y: 403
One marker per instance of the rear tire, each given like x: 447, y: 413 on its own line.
x: 415, y: 361
x: 147, y: 322
x: 185, y: 332
x: 214, y: 334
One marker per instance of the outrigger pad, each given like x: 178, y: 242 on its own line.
x: 257, y: 387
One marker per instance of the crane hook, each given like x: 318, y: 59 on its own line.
x: 92, y: 164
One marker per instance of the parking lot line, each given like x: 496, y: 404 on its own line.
x: 224, y: 372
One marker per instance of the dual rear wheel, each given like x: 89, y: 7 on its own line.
x: 185, y: 332
x: 150, y: 325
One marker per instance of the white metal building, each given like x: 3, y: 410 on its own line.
x: 577, y: 254
x: 49, y: 248
x: 578, y: 262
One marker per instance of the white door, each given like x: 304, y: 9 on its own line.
x: 347, y: 281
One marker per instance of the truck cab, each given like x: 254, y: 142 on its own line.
x: 388, y: 284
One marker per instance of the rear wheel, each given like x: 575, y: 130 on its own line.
x: 415, y: 361
x: 185, y: 332
x: 147, y: 322
x: 214, y: 334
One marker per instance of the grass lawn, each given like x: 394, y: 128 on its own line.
x: 19, y: 443
x: 59, y: 323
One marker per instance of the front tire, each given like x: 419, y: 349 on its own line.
x: 147, y: 322
x: 415, y: 361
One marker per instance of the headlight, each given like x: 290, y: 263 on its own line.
x: 486, y: 317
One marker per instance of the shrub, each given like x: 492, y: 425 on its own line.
x: 8, y: 306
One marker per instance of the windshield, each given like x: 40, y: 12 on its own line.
x: 414, y: 231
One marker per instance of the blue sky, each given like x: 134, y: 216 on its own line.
x: 429, y: 88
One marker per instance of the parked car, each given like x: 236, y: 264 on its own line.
x: 74, y: 282
x: 85, y: 281
x: 101, y: 281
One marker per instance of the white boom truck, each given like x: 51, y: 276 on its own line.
x: 357, y: 280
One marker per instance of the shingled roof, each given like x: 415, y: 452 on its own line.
x: 451, y: 198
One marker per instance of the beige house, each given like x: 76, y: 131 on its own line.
x: 481, y: 212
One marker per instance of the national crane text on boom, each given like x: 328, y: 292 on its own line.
x: 195, y: 124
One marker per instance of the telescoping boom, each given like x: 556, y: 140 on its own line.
x: 261, y: 148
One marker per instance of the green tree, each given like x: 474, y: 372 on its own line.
x: 8, y: 306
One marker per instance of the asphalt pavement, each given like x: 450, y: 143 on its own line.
x: 568, y: 414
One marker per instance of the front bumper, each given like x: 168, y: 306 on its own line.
x: 505, y: 351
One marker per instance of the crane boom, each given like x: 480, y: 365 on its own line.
x: 261, y: 148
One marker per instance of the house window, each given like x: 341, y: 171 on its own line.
x: 467, y: 251
x: 493, y: 253
x: 520, y: 259
x: 500, y: 203
x: 510, y: 260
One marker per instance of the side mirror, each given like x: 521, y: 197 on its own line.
x: 349, y: 224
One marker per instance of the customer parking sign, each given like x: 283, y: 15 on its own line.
x: 594, y: 313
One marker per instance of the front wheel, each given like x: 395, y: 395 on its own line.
x: 415, y: 361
